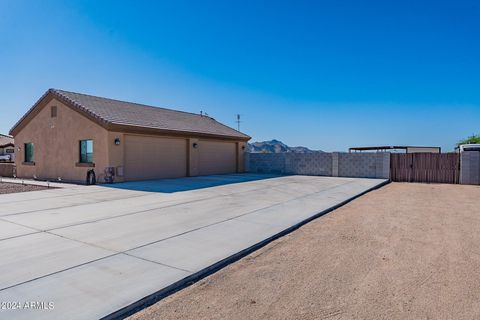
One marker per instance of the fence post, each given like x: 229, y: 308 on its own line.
x: 470, y: 167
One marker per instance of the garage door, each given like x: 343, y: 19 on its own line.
x: 149, y: 158
x: 216, y: 157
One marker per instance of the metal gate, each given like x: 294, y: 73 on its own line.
x: 425, y: 167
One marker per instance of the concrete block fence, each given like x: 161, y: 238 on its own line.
x: 364, y: 165
x: 319, y: 164
x: 335, y: 164
x: 341, y: 164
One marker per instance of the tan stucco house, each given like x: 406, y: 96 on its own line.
x: 66, y: 134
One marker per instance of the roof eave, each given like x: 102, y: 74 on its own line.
x: 147, y: 130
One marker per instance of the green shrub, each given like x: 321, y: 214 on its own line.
x: 474, y: 138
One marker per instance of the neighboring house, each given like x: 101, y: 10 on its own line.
x: 7, y: 148
x: 66, y: 134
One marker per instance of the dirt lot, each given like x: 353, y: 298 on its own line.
x: 406, y: 251
x: 14, y: 188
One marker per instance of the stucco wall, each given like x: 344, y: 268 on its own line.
x: 470, y: 167
x: 365, y: 165
x: 241, y: 147
x: 116, y: 154
x: 56, y: 145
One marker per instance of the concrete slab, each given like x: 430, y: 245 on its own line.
x: 75, y: 215
x: 64, y: 201
x: 130, y: 231
x: 201, y: 248
x: 48, y: 253
x: 290, y: 212
x: 89, y: 291
x: 53, y: 184
x: 42, y: 194
x: 93, y: 250
x: 187, y: 184
x: 9, y: 230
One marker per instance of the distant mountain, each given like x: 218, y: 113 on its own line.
x: 275, y: 146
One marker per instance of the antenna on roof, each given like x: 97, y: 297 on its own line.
x: 238, y: 122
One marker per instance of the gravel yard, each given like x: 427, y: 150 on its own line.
x: 405, y: 251
x: 15, y: 188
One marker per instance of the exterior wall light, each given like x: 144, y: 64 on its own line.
x: 243, y: 147
x: 117, y: 141
x: 195, y: 145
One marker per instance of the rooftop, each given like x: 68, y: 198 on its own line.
x: 5, y: 140
x: 113, y: 113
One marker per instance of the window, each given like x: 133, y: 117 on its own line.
x: 86, y: 151
x: 53, y: 111
x: 29, y: 152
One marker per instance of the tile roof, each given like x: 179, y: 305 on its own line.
x: 5, y: 140
x: 114, y: 112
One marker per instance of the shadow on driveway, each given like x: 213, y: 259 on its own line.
x: 190, y: 183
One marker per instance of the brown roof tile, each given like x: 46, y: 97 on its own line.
x: 5, y: 140
x: 114, y: 112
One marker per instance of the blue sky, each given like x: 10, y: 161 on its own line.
x: 324, y: 74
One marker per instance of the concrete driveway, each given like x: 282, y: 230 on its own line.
x: 86, y: 252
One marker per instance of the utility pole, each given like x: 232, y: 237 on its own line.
x: 238, y: 122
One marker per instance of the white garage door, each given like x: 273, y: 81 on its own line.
x: 149, y: 158
x: 216, y: 157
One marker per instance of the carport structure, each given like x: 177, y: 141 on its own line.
x: 98, y: 251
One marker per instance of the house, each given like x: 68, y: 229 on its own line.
x: 65, y: 135
x: 7, y: 148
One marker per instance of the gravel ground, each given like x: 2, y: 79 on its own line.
x: 405, y: 251
x: 14, y: 188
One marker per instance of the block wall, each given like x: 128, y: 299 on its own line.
x: 364, y: 165
x: 336, y: 164
x: 265, y: 162
x: 313, y: 164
